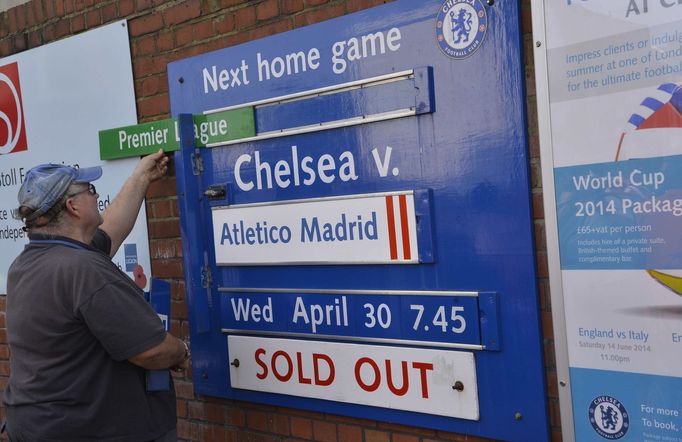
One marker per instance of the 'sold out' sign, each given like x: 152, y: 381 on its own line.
x: 142, y: 139
x: 358, y: 229
x: 440, y: 382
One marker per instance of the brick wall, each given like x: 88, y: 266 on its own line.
x: 165, y: 31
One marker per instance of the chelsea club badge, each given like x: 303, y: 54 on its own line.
x: 608, y: 417
x: 460, y: 27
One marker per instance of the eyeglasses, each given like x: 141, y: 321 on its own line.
x: 91, y: 188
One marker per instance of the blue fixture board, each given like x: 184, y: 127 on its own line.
x: 403, y: 125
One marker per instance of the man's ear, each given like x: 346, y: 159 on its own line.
x: 72, y: 207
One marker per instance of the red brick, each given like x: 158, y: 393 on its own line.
x: 20, y: 42
x: 30, y: 15
x: 185, y: 11
x: 291, y: 6
x: 39, y: 10
x: 349, y: 433
x: 163, y: 187
x: 202, y: 30
x: 77, y: 23
x: 183, y: 36
x: 164, y: 229
x: 214, y: 433
x: 224, y: 24
x: 267, y: 10
x: 547, y: 330
x: 144, y: 46
x: 377, y: 436
x: 540, y: 237
x: 179, y: 311
x: 178, y: 290
x: 125, y: 8
x: 20, y: 18
x: 143, y: 5
x: 167, y: 268
x: 245, y: 17
x: 181, y: 408
x: 163, y: 249
x: 68, y: 6
x: 145, y: 24
x: 153, y: 106
x: 318, y: 15
x: 301, y: 428
x: 5, y: 47
x: 93, y: 18
x: 324, y: 431
x: 278, y: 424
x: 543, y: 268
x: 4, y: 368
x: 256, y: 420
x: 538, y: 206
x: 188, y: 430
x: 109, y: 13
x: 49, y: 9
x: 404, y: 438
x: 164, y: 41
x: 59, y: 8
x: 80, y: 5
x: 145, y: 66
x: 35, y: 39
x: 159, y: 208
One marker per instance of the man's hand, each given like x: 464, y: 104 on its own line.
x: 152, y: 167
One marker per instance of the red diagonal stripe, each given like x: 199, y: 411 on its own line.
x: 403, y: 226
x: 391, y: 228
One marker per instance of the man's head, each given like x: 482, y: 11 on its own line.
x: 46, y: 189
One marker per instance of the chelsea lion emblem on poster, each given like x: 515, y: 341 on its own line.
x: 460, y: 27
x: 608, y: 417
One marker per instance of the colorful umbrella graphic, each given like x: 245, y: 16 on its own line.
x: 661, y: 109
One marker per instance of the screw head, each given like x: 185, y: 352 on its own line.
x: 538, y: 44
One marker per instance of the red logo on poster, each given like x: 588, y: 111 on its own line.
x: 12, y: 124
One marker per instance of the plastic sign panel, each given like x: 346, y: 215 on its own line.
x: 377, y: 221
x: 53, y: 101
x: 427, y: 381
x: 440, y: 319
x: 356, y: 229
x: 143, y: 139
x: 613, y: 94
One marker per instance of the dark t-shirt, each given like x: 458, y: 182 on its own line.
x: 73, y: 319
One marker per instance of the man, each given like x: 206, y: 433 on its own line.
x: 79, y: 331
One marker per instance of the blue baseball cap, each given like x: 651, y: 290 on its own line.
x: 45, y: 184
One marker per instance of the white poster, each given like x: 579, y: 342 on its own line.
x: 610, y: 95
x: 53, y: 101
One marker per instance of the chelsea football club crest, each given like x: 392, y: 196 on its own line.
x: 608, y: 417
x: 460, y: 27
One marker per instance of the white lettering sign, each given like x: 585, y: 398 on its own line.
x: 375, y: 228
x: 438, y: 382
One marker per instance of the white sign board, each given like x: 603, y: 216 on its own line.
x: 53, y: 101
x: 357, y: 229
x: 610, y: 107
x: 439, y: 382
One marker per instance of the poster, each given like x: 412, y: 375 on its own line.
x: 614, y: 98
x: 53, y: 101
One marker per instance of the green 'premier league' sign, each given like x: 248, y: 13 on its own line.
x: 143, y: 139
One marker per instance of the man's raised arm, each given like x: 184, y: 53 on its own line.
x: 119, y: 217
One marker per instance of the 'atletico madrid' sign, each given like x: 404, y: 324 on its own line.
x: 356, y: 229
